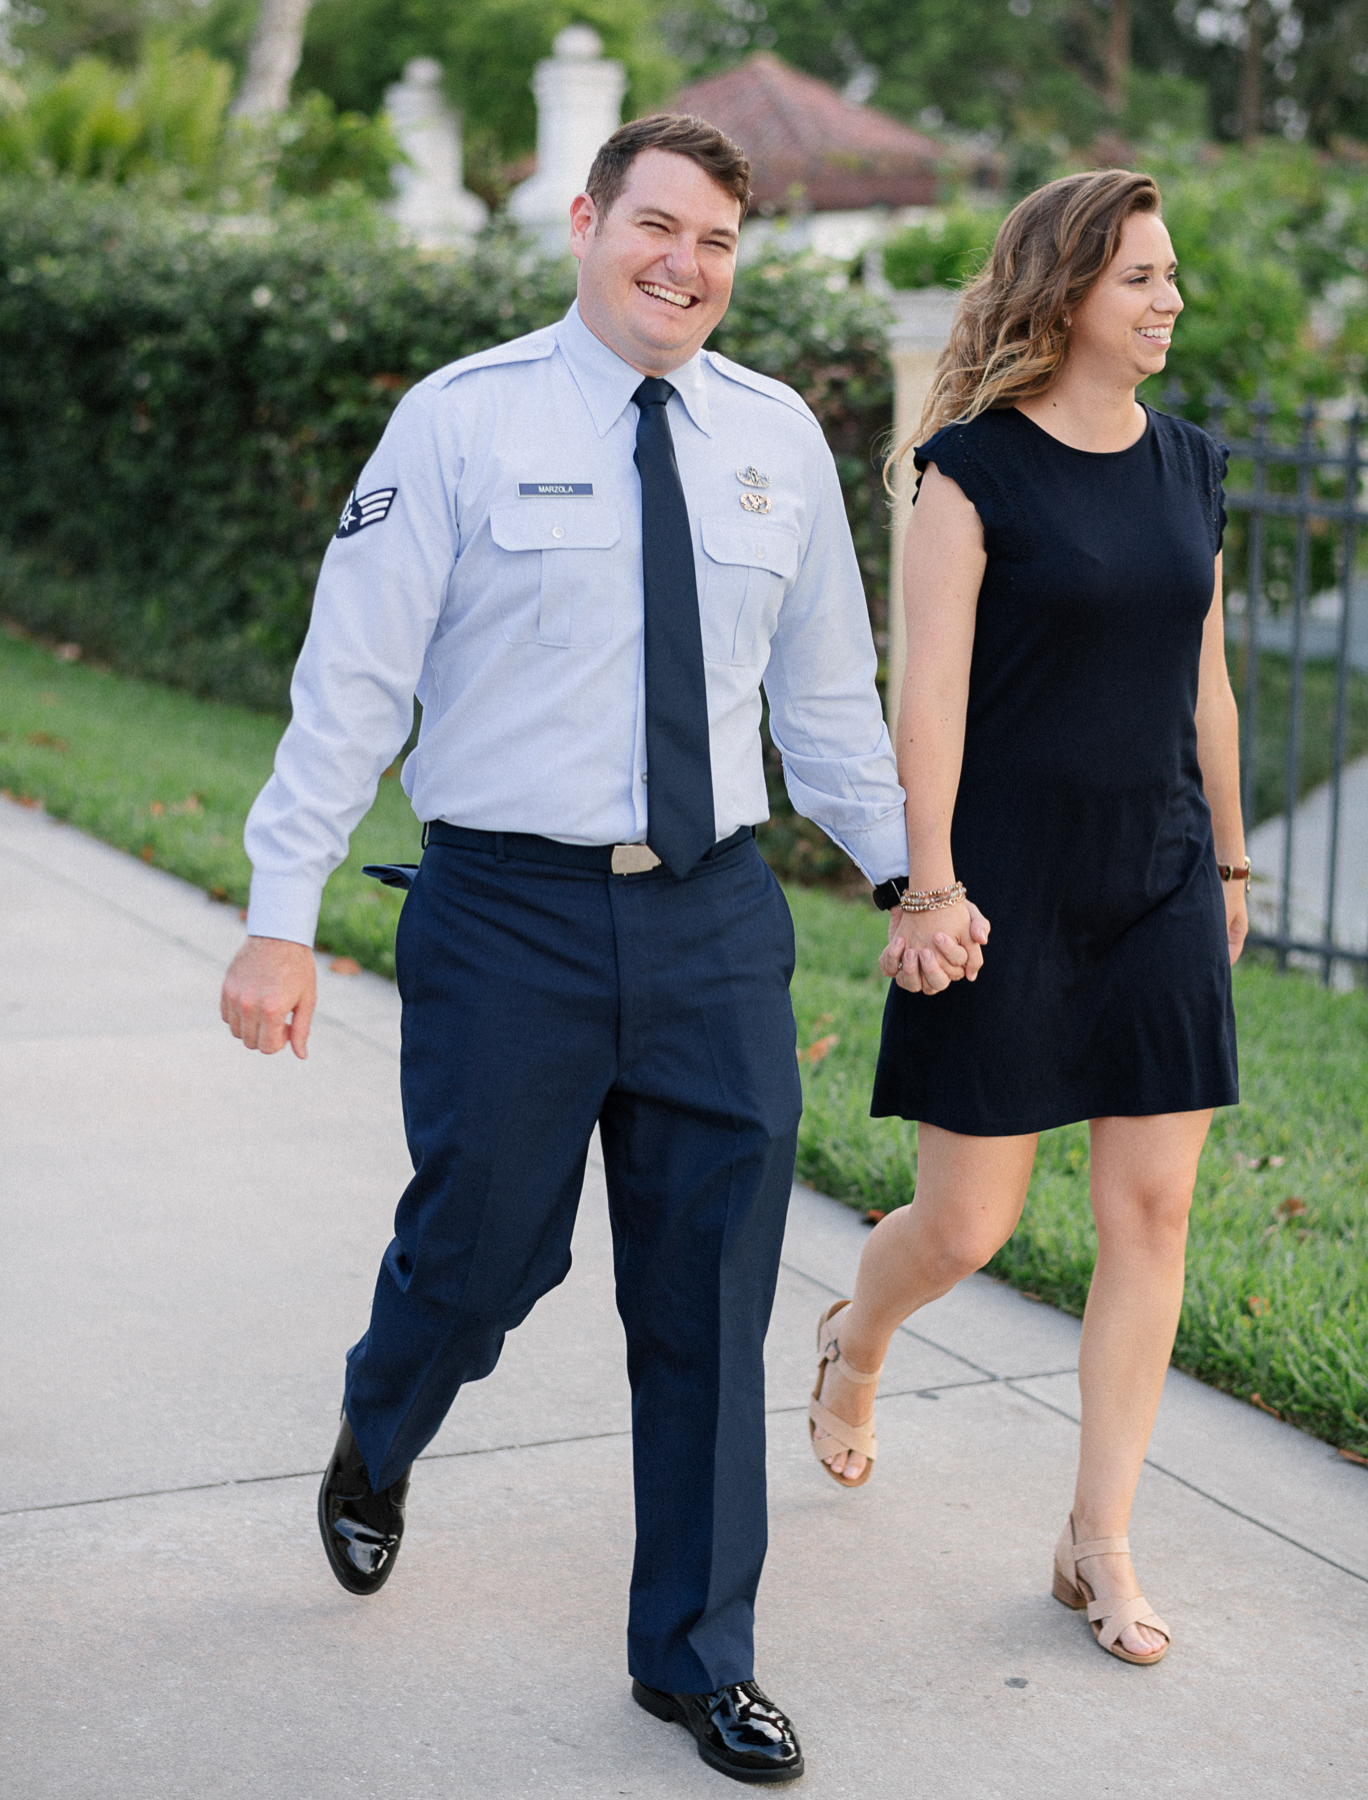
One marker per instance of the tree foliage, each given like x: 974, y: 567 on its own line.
x: 1034, y: 70
x: 95, y: 120
x: 164, y: 121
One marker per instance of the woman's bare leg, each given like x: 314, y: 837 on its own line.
x: 1143, y: 1172
x: 970, y: 1192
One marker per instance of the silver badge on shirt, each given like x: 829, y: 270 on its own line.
x: 752, y: 477
x: 755, y: 503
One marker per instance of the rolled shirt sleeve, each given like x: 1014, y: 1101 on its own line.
x: 825, y: 717
x: 377, y: 603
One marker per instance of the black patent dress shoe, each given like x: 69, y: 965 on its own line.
x: 739, y: 1730
x: 361, y: 1529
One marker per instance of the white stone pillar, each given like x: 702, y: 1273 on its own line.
x: 579, y: 104
x: 920, y: 332
x: 430, y: 203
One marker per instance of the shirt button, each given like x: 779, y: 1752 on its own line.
x: 558, y: 531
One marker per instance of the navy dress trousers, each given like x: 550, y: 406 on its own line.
x: 540, y: 1001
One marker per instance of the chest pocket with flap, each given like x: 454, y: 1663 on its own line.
x: 747, y: 563
x: 550, y: 569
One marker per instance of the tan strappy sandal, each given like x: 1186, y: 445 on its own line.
x: 1108, y: 1618
x: 859, y: 1438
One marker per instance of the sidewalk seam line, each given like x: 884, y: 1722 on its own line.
x: 232, y: 1481
x: 1192, y: 1487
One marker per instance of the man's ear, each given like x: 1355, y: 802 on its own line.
x: 583, y: 218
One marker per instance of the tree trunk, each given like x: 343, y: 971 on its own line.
x: 277, y: 44
x: 1251, y: 86
x: 1118, y: 54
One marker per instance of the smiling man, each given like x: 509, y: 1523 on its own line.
x: 583, y: 551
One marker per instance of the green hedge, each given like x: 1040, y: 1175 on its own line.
x: 184, y: 407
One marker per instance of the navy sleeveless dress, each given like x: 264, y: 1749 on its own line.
x: 1080, y: 826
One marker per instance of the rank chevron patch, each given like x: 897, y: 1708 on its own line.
x: 365, y: 509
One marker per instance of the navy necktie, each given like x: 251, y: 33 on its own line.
x: 680, y: 823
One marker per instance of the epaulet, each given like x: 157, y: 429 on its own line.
x: 536, y: 346
x: 761, y: 384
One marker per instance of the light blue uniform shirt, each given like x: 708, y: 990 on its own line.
x: 490, y: 561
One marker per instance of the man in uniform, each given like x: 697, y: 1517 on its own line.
x: 583, y: 550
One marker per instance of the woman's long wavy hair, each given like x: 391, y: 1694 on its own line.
x: 1009, y: 339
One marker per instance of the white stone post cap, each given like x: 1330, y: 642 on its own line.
x: 577, y: 43
x: 422, y: 71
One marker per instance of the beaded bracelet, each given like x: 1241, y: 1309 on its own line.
x: 932, y: 899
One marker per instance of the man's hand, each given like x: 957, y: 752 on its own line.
x: 269, y: 995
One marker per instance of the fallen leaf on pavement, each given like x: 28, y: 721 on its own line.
x: 147, y: 853
x: 1263, y: 1406
x: 1354, y: 1457
x: 345, y: 965
x: 873, y: 1216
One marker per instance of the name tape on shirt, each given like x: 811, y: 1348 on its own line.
x: 365, y: 509
x: 553, y: 490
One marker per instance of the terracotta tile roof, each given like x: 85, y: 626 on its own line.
x: 809, y: 148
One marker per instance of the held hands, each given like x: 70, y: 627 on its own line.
x: 927, y: 951
x: 269, y: 994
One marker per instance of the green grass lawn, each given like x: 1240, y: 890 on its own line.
x: 1277, y: 1300
x: 170, y: 778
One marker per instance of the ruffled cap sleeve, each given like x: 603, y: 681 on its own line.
x: 970, y: 456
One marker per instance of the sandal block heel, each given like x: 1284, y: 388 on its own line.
x: 1065, y: 1591
x: 1108, y: 1618
x: 859, y: 1438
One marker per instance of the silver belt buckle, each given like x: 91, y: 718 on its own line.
x: 634, y: 859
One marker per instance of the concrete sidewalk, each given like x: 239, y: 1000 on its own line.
x: 190, y: 1239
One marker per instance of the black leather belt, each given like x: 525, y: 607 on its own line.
x: 606, y: 859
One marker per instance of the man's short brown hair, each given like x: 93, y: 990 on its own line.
x: 682, y: 135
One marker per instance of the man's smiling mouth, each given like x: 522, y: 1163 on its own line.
x: 673, y: 295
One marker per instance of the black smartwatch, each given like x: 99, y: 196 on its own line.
x: 888, y: 893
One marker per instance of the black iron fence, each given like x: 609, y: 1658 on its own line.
x: 1295, y: 598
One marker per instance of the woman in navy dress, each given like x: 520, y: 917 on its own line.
x: 1068, y: 742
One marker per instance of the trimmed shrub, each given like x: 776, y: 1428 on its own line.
x: 184, y: 408
x: 947, y: 250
